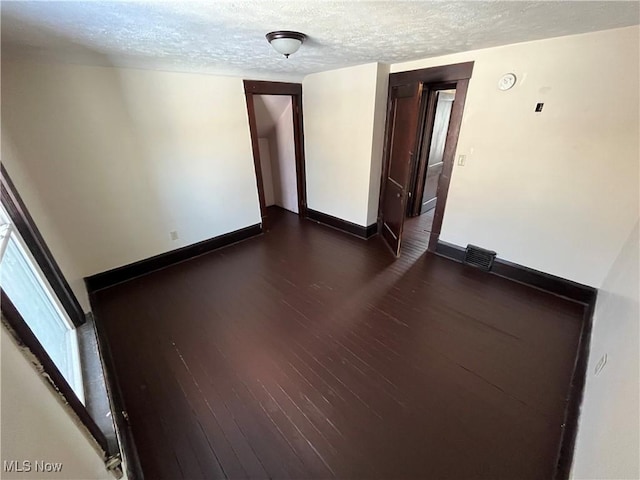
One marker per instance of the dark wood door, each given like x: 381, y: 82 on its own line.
x: 444, y: 102
x: 401, y: 142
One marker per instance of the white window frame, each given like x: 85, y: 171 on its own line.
x: 8, y: 232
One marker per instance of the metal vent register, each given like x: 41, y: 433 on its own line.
x: 479, y: 257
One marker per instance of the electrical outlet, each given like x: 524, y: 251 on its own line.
x: 461, y: 160
x: 174, y: 235
x: 600, y: 365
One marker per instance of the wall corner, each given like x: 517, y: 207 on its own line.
x: 377, y: 144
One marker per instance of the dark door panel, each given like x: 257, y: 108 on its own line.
x: 392, y: 222
x: 405, y: 103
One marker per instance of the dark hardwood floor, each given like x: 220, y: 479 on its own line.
x: 416, y: 232
x: 309, y: 353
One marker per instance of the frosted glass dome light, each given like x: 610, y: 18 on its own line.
x: 285, y: 41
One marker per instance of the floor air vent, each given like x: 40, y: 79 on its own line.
x: 479, y: 257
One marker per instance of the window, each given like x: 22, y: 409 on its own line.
x: 40, y: 310
x: 30, y: 292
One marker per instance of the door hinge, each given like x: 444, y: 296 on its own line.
x: 114, y: 465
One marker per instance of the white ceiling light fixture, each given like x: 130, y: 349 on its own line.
x: 286, y: 42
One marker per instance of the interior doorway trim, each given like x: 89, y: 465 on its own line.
x: 441, y: 74
x: 254, y: 87
x: 453, y: 76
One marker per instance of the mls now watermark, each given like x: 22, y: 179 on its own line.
x: 31, y: 466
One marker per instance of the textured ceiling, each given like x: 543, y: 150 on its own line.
x: 228, y: 37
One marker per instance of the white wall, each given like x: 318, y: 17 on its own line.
x: 283, y: 162
x: 267, y: 176
x: 556, y: 191
x: 608, y: 444
x: 39, y: 210
x: 339, y: 112
x: 118, y: 158
x: 36, y: 426
x: 268, y: 109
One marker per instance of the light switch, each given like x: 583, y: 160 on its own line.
x: 461, y: 160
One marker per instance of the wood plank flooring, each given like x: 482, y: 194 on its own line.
x: 416, y: 232
x: 309, y: 353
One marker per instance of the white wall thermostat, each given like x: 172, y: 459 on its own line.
x: 507, y: 81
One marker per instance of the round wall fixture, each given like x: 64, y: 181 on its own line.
x: 507, y: 81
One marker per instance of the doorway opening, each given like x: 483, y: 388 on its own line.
x: 424, y: 116
x: 275, y: 123
x: 427, y: 165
